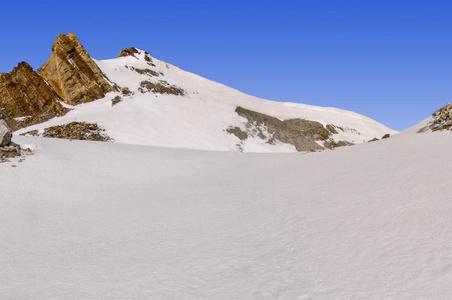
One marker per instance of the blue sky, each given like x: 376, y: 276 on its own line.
x: 389, y: 60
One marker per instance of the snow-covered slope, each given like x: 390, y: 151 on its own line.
x: 201, y: 117
x: 90, y: 220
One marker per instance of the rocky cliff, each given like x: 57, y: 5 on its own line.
x: 72, y: 73
x: 26, y: 98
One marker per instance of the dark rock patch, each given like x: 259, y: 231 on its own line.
x: 302, y: 134
x: 77, y: 131
x: 242, y: 135
x: 331, y: 129
x: 126, y: 92
x: 162, y: 87
x: 148, y: 72
x: 330, y: 144
x: 13, y: 151
x: 30, y: 133
x: 115, y: 100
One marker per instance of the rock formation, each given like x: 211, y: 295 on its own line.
x: 128, y: 52
x: 303, y: 134
x: 26, y: 98
x: 441, y: 120
x: 77, y: 131
x: 72, y: 73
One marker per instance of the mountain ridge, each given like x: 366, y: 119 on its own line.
x: 153, y: 102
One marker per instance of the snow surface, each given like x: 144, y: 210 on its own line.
x: 91, y: 220
x: 199, y: 119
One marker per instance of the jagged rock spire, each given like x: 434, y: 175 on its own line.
x: 72, y: 73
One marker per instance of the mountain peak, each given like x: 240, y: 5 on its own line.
x: 72, y: 73
x: 66, y: 42
x: 22, y: 66
x: 128, y: 52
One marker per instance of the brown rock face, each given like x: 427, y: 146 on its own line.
x: 72, y: 73
x: 23, y: 93
x: 128, y: 52
x: 442, y: 120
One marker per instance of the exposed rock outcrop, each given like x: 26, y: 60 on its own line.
x: 26, y: 98
x: 303, y: 134
x: 134, y: 52
x: 77, y: 131
x: 161, y: 87
x: 72, y: 73
x: 442, y: 120
x: 128, y: 52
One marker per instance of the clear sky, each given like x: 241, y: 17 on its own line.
x: 390, y: 60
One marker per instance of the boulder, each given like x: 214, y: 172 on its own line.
x: 5, y: 131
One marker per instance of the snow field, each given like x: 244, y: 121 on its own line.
x: 102, y: 220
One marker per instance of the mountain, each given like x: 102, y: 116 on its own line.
x: 91, y: 220
x: 143, y: 100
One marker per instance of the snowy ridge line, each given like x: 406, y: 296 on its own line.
x: 159, y: 104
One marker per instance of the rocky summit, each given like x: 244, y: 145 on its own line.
x: 72, y: 73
